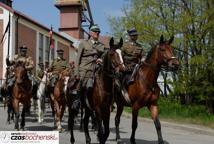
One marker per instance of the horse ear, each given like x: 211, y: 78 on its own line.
x: 171, y: 40
x: 161, y: 39
x: 111, y: 42
x: 121, y: 42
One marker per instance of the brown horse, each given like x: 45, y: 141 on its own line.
x: 21, y: 92
x: 145, y: 90
x: 58, y: 101
x: 100, y: 100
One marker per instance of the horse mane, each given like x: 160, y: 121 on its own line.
x: 106, y: 59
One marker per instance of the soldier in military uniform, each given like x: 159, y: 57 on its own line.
x: 21, y: 57
x: 89, y: 54
x: 132, y: 53
x: 58, y: 65
x: 40, y: 72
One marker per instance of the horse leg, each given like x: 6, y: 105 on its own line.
x: 85, y: 120
x: 117, y: 121
x: 154, y: 114
x: 62, y: 110
x: 9, y: 111
x: 23, y: 118
x: 39, y: 110
x: 34, y: 107
x: 134, y: 123
x: 93, y: 121
x: 42, y: 108
x: 81, y: 116
x: 71, y: 117
x: 57, y: 111
x: 106, y: 119
x: 16, y: 109
x: 99, y: 119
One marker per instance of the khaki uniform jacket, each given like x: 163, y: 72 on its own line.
x: 58, y: 65
x: 132, y: 53
x: 86, y: 57
x: 39, y: 74
x: 29, y: 64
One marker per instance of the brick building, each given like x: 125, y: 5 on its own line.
x: 26, y: 31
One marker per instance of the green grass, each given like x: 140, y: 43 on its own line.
x: 173, y: 111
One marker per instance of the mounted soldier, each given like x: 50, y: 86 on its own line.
x: 22, y: 57
x: 89, y: 54
x: 40, y: 72
x: 58, y: 65
x: 133, y: 54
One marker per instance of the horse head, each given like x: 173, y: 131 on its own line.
x: 20, y: 72
x: 163, y: 54
x: 115, y: 55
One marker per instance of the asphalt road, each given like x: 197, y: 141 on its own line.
x: 145, y: 134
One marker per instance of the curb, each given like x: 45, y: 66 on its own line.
x: 189, y: 127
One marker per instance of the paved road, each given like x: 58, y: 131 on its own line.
x: 146, y: 134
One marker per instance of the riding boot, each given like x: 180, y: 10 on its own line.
x: 132, y: 78
x: 77, y: 102
x: 10, y: 84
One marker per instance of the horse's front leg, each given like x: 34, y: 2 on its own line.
x: 117, y: 121
x: 23, y: 118
x: 106, y: 119
x: 16, y: 109
x: 154, y: 114
x: 86, y: 120
x: 61, y: 112
x: 100, y: 133
x: 135, y: 110
x: 39, y: 110
x: 57, y: 115
x: 72, y: 114
x: 9, y: 110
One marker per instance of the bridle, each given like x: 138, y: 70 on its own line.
x: 165, y: 60
x: 114, y: 70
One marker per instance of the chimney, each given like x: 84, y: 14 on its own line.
x: 71, y: 17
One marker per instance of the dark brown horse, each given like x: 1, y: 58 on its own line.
x: 58, y: 101
x: 145, y: 90
x: 21, y: 93
x: 100, y: 100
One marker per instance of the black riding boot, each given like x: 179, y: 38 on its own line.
x: 77, y: 102
x: 10, y: 84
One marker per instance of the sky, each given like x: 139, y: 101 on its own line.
x: 44, y: 11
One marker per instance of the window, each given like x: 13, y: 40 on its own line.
x: 47, y: 41
x: 41, y: 47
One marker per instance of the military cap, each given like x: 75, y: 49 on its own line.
x: 23, y: 48
x: 95, y: 28
x: 60, y: 51
x: 132, y: 32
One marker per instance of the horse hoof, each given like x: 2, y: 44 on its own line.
x: 61, y: 130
